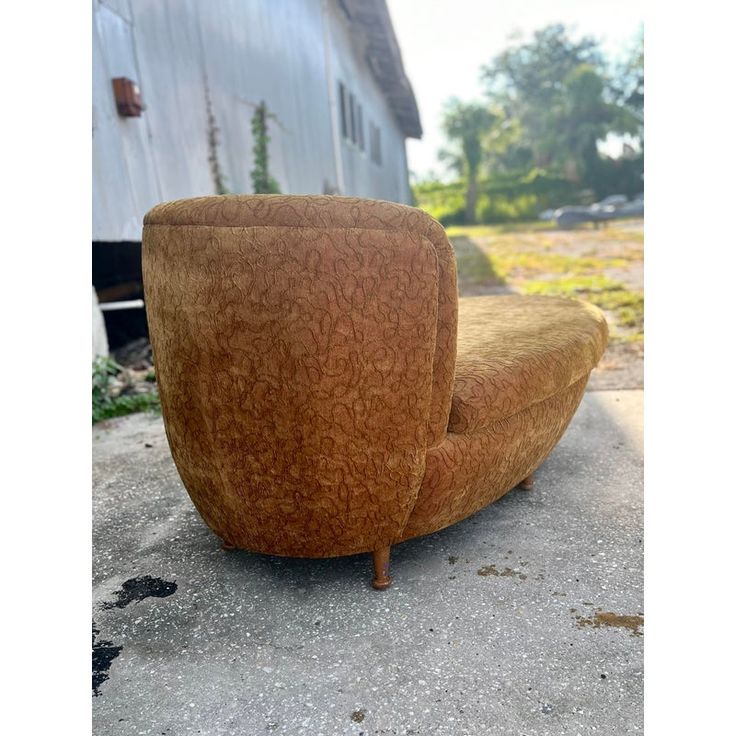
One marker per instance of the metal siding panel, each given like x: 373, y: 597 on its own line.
x: 122, y: 175
x: 117, y: 36
x: 283, y: 65
x: 172, y: 84
x: 363, y: 178
x: 121, y: 7
x: 245, y: 52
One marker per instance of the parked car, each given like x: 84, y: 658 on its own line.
x: 612, y: 207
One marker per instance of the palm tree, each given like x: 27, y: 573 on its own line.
x: 465, y: 123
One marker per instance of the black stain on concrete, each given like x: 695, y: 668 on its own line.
x: 137, y: 589
x: 103, y: 653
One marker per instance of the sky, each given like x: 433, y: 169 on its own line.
x: 445, y: 42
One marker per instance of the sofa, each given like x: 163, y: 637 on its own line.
x: 323, y: 389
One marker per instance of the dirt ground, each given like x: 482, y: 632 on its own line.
x: 603, y: 266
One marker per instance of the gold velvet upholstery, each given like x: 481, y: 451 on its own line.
x: 322, y: 392
x: 513, y: 351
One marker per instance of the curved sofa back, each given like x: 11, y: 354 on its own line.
x: 305, y: 351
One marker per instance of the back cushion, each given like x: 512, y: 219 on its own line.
x: 296, y: 371
x: 334, y: 213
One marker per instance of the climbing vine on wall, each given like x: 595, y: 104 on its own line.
x: 213, y: 143
x: 263, y: 182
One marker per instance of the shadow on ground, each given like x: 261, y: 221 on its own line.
x: 475, y: 272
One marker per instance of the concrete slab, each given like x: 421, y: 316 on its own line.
x: 524, y: 619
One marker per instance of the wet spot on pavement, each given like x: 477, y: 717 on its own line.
x: 103, y: 654
x: 137, y: 589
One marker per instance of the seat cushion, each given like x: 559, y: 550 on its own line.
x: 466, y: 472
x: 514, y: 351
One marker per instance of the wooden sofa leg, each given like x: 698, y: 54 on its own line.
x: 381, y: 578
x: 528, y: 483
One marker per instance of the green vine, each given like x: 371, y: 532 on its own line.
x: 212, y: 144
x: 263, y: 182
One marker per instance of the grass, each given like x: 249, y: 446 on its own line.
x: 626, y: 306
x: 454, y: 231
x: 106, y: 404
x: 528, y: 263
x: 585, y: 264
x: 612, y: 231
x: 127, y: 404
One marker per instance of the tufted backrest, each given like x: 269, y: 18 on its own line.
x: 305, y: 352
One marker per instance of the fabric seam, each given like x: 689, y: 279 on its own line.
x: 478, y: 430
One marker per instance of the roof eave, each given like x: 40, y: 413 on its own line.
x: 371, y: 18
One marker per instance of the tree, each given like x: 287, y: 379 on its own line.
x: 628, y: 85
x: 465, y: 124
x: 528, y: 81
x: 582, y: 119
x: 553, y: 99
x: 504, y: 148
x: 560, y: 93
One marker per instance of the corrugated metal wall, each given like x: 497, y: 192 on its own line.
x: 363, y: 177
x: 289, y: 53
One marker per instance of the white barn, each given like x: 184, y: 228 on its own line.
x: 329, y: 71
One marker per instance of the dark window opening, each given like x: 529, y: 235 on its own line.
x: 353, y: 122
x: 351, y: 117
x: 343, y: 110
x: 361, y: 137
x: 375, y: 143
x: 117, y: 277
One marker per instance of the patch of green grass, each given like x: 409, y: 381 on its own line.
x: 530, y: 263
x: 610, y: 232
x: 612, y: 296
x: 482, y: 231
x: 628, y: 337
x: 616, y: 233
x: 119, y: 406
x: 573, y: 286
x: 535, y: 261
x: 105, y: 405
x: 500, y: 263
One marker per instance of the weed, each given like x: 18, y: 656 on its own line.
x: 106, y: 403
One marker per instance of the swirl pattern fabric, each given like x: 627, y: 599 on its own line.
x: 467, y: 472
x: 306, y: 349
x: 333, y: 214
x: 513, y: 351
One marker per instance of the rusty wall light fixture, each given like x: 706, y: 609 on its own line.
x: 127, y: 97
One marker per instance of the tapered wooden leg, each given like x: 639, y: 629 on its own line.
x: 528, y: 483
x: 227, y: 546
x: 381, y: 578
